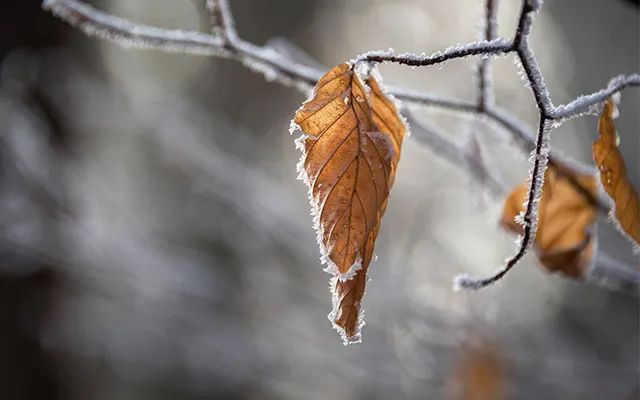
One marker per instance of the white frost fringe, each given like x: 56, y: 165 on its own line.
x: 335, y: 304
x: 331, y: 267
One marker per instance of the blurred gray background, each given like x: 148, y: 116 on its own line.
x: 155, y: 243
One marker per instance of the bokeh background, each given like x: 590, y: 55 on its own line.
x: 155, y: 243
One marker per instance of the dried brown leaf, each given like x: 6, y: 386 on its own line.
x: 613, y: 175
x: 351, y: 147
x: 563, y: 241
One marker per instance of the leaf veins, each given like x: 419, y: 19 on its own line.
x: 613, y: 175
x: 350, y: 151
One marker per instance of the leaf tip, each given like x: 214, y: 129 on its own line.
x: 350, y: 332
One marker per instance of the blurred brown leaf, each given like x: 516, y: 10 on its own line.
x: 563, y: 241
x: 613, y: 175
x: 351, y: 149
x: 480, y: 373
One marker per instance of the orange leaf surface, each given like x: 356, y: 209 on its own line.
x: 350, y: 151
x: 613, y: 175
x: 563, y: 241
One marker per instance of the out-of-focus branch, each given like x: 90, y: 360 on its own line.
x: 458, y: 155
x: 485, y: 95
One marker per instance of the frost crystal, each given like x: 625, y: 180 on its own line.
x: 293, y: 127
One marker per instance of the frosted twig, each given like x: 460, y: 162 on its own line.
x: 530, y: 219
x: 485, y: 95
x: 497, y: 46
x: 527, y: 58
x: 583, y: 103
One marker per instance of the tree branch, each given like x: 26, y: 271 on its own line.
x: 527, y: 58
x: 540, y: 154
x: 499, y: 46
x: 583, y: 103
x: 276, y: 67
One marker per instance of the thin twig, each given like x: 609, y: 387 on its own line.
x: 485, y: 95
x: 222, y: 21
x: 583, y: 103
x: 499, y: 46
x: 528, y: 60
